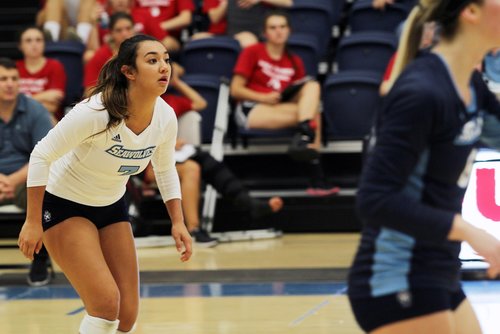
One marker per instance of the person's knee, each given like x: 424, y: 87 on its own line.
x: 246, y: 38
x: 312, y: 87
x: 193, y: 169
x: 106, y: 304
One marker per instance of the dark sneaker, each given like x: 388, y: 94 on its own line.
x: 203, y: 239
x: 299, y: 150
x: 39, y: 272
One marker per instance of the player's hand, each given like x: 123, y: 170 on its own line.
x: 487, y: 246
x: 183, y: 241
x: 30, y: 238
x: 271, y: 98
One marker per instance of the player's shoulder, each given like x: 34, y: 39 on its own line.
x: 92, y: 109
x: 164, y: 113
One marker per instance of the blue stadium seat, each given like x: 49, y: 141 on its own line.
x: 363, y: 17
x: 315, y: 18
x: 69, y: 53
x: 307, y: 49
x: 350, y: 99
x: 366, y: 51
x: 214, y: 56
x: 208, y: 87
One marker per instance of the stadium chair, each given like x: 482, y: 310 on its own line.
x: 363, y: 17
x: 307, y: 49
x: 214, y: 56
x: 69, y: 53
x: 366, y: 51
x: 207, y: 86
x: 315, y: 18
x: 350, y: 99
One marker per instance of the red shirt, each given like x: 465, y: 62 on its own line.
x: 50, y: 76
x: 265, y: 74
x: 388, y: 69
x: 218, y: 28
x: 148, y: 14
x: 94, y: 65
x: 180, y: 104
x: 164, y: 9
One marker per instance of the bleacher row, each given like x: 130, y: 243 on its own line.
x: 346, y: 45
x: 352, y: 74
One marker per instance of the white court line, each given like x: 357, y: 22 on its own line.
x: 315, y: 309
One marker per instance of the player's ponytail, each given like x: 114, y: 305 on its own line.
x: 444, y: 12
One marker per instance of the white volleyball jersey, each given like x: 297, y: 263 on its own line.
x: 76, y: 164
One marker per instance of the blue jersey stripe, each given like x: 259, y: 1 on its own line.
x: 393, y: 253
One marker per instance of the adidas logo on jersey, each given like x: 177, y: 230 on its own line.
x: 117, y: 138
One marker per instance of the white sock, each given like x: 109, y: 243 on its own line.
x: 54, y: 28
x: 129, y: 332
x: 94, y: 325
x: 83, y: 30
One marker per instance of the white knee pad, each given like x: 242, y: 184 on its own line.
x: 94, y: 325
x: 129, y: 332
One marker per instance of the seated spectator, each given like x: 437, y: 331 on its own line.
x: 245, y: 18
x: 201, y: 166
x: 187, y: 104
x: 164, y: 19
x: 120, y: 27
x: 41, y: 78
x: 101, y: 13
x: 66, y: 19
x: 197, y: 166
x: 23, y: 122
x: 271, y: 86
x: 216, y: 10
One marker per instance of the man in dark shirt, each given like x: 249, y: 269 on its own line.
x: 23, y: 122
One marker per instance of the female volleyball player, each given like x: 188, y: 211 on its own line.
x: 77, y: 176
x: 406, y: 274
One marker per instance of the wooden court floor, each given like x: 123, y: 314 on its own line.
x: 293, y: 284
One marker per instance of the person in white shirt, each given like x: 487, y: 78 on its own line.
x: 77, y: 176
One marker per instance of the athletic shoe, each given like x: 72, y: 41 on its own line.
x: 203, y: 239
x: 39, y: 272
x: 299, y: 150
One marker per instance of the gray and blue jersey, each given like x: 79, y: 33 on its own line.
x: 414, y: 180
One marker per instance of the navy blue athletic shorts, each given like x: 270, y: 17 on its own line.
x: 57, y: 209
x: 372, y: 313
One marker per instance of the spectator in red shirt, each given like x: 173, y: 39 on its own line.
x: 163, y: 19
x: 216, y: 10
x: 121, y: 27
x: 41, y: 78
x: 270, y: 82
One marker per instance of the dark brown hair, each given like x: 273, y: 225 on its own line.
x: 113, y: 84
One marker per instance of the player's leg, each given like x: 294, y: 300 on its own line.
x: 117, y: 243
x: 75, y: 246
x: 439, y: 322
x: 465, y: 319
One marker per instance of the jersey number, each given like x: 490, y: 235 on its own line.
x: 128, y: 170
